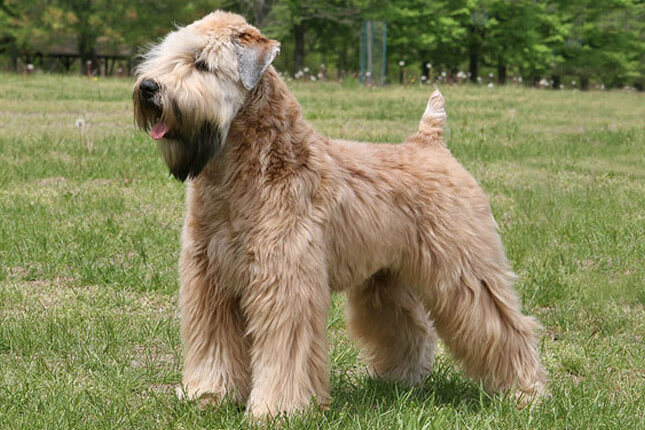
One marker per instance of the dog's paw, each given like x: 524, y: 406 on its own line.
x: 271, y: 408
x: 531, y: 397
x: 204, y: 398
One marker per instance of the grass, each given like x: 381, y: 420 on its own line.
x: 89, y: 233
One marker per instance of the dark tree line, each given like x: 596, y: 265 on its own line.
x: 589, y: 40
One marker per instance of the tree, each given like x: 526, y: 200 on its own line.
x: 43, y: 22
x: 312, y: 21
x: 591, y: 39
x: 22, y: 26
x: 426, y: 32
x: 604, y: 40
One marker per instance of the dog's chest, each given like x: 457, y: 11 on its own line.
x: 230, y: 257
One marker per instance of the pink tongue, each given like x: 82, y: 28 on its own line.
x: 159, y: 130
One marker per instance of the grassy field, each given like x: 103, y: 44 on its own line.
x: 89, y: 238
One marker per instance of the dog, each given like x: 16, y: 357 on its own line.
x: 280, y: 217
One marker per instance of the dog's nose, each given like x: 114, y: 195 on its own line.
x: 148, y: 88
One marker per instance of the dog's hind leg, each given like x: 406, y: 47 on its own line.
x: 392, y: 329
x: 478, y: 316
x: 216, y: 358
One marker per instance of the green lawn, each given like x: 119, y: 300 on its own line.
x: 89, y: 239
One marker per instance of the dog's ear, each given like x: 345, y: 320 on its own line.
x: 255, y: 53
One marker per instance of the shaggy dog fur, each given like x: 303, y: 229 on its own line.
x: 279, y: 217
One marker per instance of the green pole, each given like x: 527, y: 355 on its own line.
x: 384, y: 73
x: 361, y: 77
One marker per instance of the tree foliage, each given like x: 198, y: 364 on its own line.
x: 590, y: 40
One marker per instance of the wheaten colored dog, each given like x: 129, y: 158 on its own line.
x: 279, y: 217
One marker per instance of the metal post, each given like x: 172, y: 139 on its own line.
x: 384, y: 73
x: 362, y: 54
x: 370, y: 36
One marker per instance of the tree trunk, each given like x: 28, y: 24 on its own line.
x: 425, y: 71
x: 261, y: 9
x: 86, y: 35
x: 475, y: 42
x: 452, y: 75
x: 88, y: 55
x: 89, y: 62
x: 473, y: 65
x: 341, y: 64
x: 299, y: 51
x: 501, y: 73
x: 584, y: 83
x: 556, y: 82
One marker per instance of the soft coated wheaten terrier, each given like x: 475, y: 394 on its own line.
x: 279, y: 217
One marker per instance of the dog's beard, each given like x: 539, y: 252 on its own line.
x: 185, y: 147
x: 187, y: 155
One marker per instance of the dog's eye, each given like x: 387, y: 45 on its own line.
x: 201, y: 65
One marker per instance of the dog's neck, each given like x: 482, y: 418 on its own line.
x: 269, y: 133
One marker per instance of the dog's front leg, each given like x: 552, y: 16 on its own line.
x: 216, y: 356
x: 286, y: 311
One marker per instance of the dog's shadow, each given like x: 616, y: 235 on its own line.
x: 442, y: 388
x: 353, y: 392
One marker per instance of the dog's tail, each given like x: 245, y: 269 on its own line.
x: 434, y: 118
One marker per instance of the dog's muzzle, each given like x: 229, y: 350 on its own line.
x: 186, y: 148
x: 148, y: 89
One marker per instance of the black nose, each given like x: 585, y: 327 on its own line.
x: 148, y: 88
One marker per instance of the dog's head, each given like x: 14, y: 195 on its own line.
x: 191, y: 85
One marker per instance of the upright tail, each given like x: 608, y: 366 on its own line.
x: 434, y: 118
